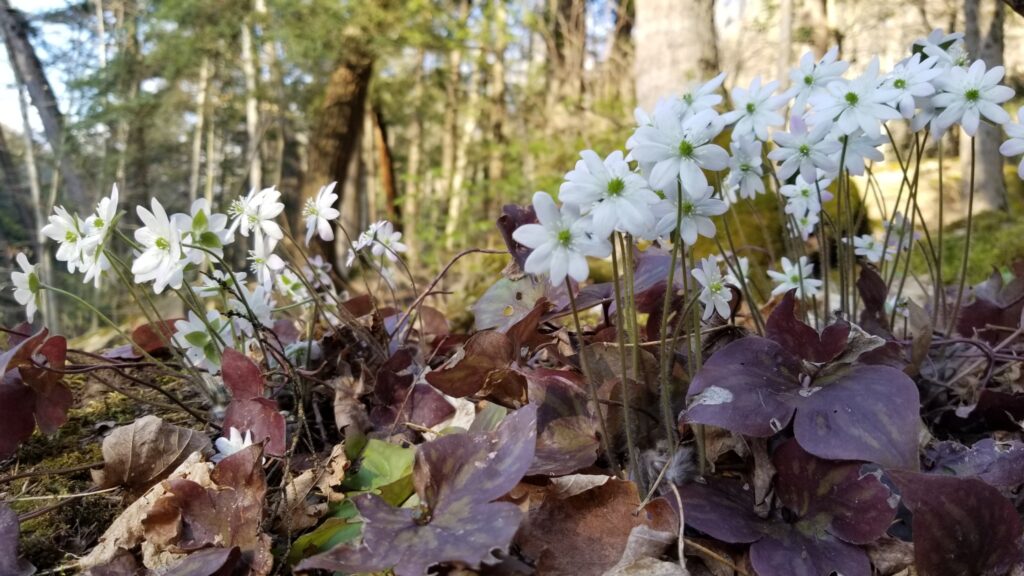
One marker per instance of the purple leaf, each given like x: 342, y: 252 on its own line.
x: 960, y: 525
x: 746, y: 387
x: 865, y: 413
x: 788, y: 552
x: 873, y: 293
x: 837, y: 496
x: 422, y: 405
x: 723, y: 510
x: 261, y: 417
x: 17, y: 403
x: 31, y: 391
x: 1000, y: 464
x: 513, y: 216
x: 799, y: 338
x: 207, y: 562
x: 566, y: 431
x: 457, y: 477
x: 10, y: 565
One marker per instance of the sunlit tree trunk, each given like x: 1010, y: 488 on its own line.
x: 386, y: 169
x: 566, y: 40
x: 413, y: 184
x: 785, y: 42
x: 497, y: 113
x: 459, y: 197
x: 197, y: 133
x: 252, y: 111
x: 983, y: 36
x: 676, y: 44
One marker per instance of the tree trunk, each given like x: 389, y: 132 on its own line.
x: 983, y: 36
x: 498, y: 114
x: 29, y: 72
x: 676, y: 44
x: 567, y: 45
x: 785, y: 42
x: 252, y: 110
x: 197, y: 133
x: 335, y: 138
x: 411, y: 199
x: 386, y: 169
x: 459, y: 197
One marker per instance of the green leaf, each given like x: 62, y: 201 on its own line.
x: 383, y: 467
x: 341, y: 527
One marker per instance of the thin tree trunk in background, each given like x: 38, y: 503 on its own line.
x: 101, y: 34
x: 676, y: 44
x: 498, y: 116
x: 14, y: 188
x: 335, y: 138
x: 252, y: 111
x: 197, y: 132
x: 29, y: 71
x: 821, y: 34
x: 983, y: 36
x: 51, y: 318
x: 133, y: 163
x: 413, y: 185
x: 450, y: 129
x: 567, y: 44
x: 459, y: 197
x: 785, y: 42
x: 367, y: 188
x: 212, y: 161
x: 386, y: 168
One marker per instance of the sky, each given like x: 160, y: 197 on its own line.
x: 10, y: 115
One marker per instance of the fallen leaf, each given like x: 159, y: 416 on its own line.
x: 139, y: 455
x: 643, y: 550
x: 303, y: 508
x: 457, y: 477
x: 207, y: 562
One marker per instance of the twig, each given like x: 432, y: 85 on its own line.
x: 68, y: 470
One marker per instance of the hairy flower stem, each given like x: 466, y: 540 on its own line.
x: 665, y: 356
x: 951, y: 323
x: 592, y: 384
x: 620, y: 330
x: 940, y: 294
x: 824, y: 252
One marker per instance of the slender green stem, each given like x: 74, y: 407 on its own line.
x: 967, y: 247
x: 592, y: 384
x: 620, y: 330
x: 665, y: 360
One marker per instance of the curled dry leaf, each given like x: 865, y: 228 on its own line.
x: 303, y: 507
x: 126, y: 532
x: 139, y: 455
x: 643, y: 552
x: 457, y: 477
x: 31, y: 396
x: 193, y: 516
x: 587, y: 532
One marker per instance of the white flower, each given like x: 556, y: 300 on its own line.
x: 756, y: 109
x: 260, y: 301
x: 291, y: 285
x: 256, y: 212
x: 745, y: 174
x: 319, y: 212
x: 715, y: 293
x: 805, y: 150
x: 94, y: 265
x: 901, y: 236
x: 203, y: 341
x: 859, y: 149
x: 912, y: 81
x: 204, y: 229
x: 967, y: 95
x: 871, y: 249
x: 1015, y: 144
x: 265, y: 264
x: 803, y: 197
x: 795, y: 276
x: 946, y: 49
x: 698, y: 98
x: 858, y: 103
x: 897, y: 307
x: 385, y: 241
x: 812, y: 78
x: 26, y: 286
x: 99, y: 224
x: 615, y: 197
x: 561, y: 241
x: 804, y: 226
x: 744, y: 268
x: 696, y: 212
x: 233, y: 443
x: 679, y: 150
x: 66, y: 229
x: 214, y: 283
x: 163, y: 258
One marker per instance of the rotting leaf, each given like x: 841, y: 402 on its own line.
x: 10, y: 563
x: 960, y: 525
x: 192, y: 516
x: 457, y: 477
x: 142, y: 453
x: 586, y: 532
x: 482, y: 369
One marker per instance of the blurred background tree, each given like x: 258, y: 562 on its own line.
x: 431, y: 113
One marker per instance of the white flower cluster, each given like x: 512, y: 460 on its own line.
x: 168, y: 249
x: 835, y: 129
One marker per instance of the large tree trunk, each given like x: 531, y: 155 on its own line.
x: 567, y: 44
x: 335, y: 139
x: 676, y: 44
x: 983, y: 36
x: 386, y: 169
x: 29, y: 72
x: 498, y: 115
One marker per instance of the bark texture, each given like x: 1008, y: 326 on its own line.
x: 983, y: 36
x: 676, y: 44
